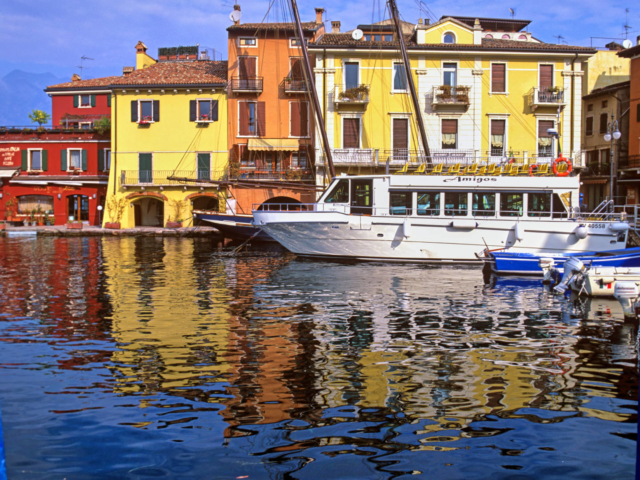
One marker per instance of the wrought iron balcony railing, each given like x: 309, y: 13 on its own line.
x: 354, y: 156
x: 244, y: 84
x: 451, y: 96
x: 132, y: 178
x: 295, y: 85
x: 286, y: 175
x: 351, y: 94
x: 546, y: 97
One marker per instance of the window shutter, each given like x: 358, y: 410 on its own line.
x: 25, y: 160
x: 400, y: 134
x: 247, y: 67
x: 204, y: 162
x: 497, y: 127
x: 134, y: 110
x: 156, y: 110
x: 93, y: 100
x: 351, y: 133
x: 214, y: 110
x: 63, y: 160
x: 450, y: 126
x: 498, y: 77
x: 589, y: 127
x: 262, y: 119
x: 546, y: 77
x: 295, y: 119
x: 84, y: 160
x: 638, y: 112
x: 304, y: 119
x: 603, y: 122
x: 192, y: 110
x: 100, y: 159
x: 76, y: 101
x: 296, y: 69
x: 244, y: 118
x: 543, y: 126
x: 109, y: 100
x: 45, y: 160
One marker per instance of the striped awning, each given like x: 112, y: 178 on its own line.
x: 273, y: 144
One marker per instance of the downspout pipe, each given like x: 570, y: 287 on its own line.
x: 573, y: 96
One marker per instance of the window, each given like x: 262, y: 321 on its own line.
x: 388, y: 38
x: 206, y: 110
x: 605, y: 103
x: 400, y: 133
x: 484, y: 204
x: 545, y: 80
x: 498, y: 137
x: 107, y: 159
x: 511, y: 204
x: 488, y: 35
x: 340, y: 193
x: 455, y: 203
x: 247, y: 68
x: 448, y: 38
x: 450, y: 134
x: 351, y: 75
x: 350, y: 133
x: 589, y: 126
x: 35, y: 159
x: 400, y: 203
x: 85, y: 125
x: 545, y: 140
x: 399, y: 77
x: 295, y: 42
x: 367, y: 38
x: 75, y: 159
x: 428, y: 203
x: 299, y: 119
x: 204, y: 166
x: 252, y: 119
x: 377, y: 38
x: 249, y: 42
x: 498, y: 78
x: 146, y: 111
x: 603, y: 122
x: 506, y: 37
x: 590, y: 107
x: 85, y: 100
x: 299, y: 160
x: 561, y: 204
x: 145, y: 168
x: 539, y: 205
x: 450, y: 74
x: 28, y: 203
x: 522, y: 37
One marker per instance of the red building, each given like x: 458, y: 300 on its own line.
x: 60, y: 173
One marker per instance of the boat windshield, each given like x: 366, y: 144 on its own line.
x: 339, y: 194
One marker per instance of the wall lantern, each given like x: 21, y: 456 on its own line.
x: 0, y: 195
x: 94, y: 196
x: 59, y: 196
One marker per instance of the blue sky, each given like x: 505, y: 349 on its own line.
x: 44, y: 36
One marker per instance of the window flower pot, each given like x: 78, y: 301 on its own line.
x: 174, y: 224
x: 112, y: 225
x: 3, y: 226
x: 74, y: 226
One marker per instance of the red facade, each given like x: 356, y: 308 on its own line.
x: 79, y: 108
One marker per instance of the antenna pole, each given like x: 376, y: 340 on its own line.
x: 313, y: 93
x: 412, y: 88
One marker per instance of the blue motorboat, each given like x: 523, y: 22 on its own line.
x: 521, y: 263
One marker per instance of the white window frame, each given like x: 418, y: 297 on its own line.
x: 505, y: 140
x: 554, y: 119
x: 247, y: 46
x: 80, y: 105
x: 290, y: 117
x: 105, y: 169
x: 553, y: 73
x: 298, y: 152
x: 344, y: 71
x: 406, y: 116
x: 140, y: 110
x: 457, y: 62
x: 240, y: 102
x: 295, y: 39
x: 393, y: 76
x: 81, y: 124
x: 69, y: 150
x: 29, y: 169
x: 198, y: 100
x: 359, y: 117
x: 506, y: 79
x: 457, y: 133
x: 449, y: 32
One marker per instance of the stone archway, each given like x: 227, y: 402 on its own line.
x: 203, y: 202
x: 148, y: 211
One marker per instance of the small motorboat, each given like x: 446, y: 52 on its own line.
x: 593, y: 281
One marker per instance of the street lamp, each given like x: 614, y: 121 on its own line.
x: 613, y: 133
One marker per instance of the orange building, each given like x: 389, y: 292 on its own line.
x: 631, y: 177
x: 270, y: 117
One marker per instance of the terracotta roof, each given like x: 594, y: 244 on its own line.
x: 306, y: 26
x: 198, y: 72
x: 83, y: 84
x: 345, y: 39
x: 607, y: 89
x: 630, y: 52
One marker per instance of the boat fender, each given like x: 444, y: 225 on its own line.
x: 581, y: 232
x: 406, y: 228
x: 519, y: 229
x: 619, y: 227
x: 627, y: 294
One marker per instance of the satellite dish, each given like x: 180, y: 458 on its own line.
x: 235, y: 16
x: 357, y: 34
x: 627, y: 43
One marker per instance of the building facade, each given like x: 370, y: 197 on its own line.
x: 630, y: 169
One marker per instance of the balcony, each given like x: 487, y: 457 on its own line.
x: 446, y: 96
x: 547, y: 97
x: 354, y: 156
x: 246, y: 85
x: 351, y: 95
x: 295, y: 85
x: 286, y: 175
x: 161, y: 178
x: 631, y: 162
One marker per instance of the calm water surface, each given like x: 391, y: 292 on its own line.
x: 164, y: 358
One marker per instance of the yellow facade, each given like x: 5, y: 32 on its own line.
x: 605, y: 68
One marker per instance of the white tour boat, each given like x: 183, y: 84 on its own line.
x: 442, y: 218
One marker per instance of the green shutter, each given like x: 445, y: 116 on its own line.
x: 45, y: 160
x: 93, y: 100
x: 75, y: 101
x: 109, y: 100
x: 84, y: 160
x: 100, y: 159
x: 63, y: 160
x: 25, y: 160
x: 144, y: 168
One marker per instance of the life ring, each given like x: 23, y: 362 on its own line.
x: 531, y: 168
x: 555, y: 167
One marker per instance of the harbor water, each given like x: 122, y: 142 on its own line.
x: 170, y: 358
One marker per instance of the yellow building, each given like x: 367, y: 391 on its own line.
x: 488, y: 91
x: 169, y: 138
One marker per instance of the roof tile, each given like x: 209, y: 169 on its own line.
x: 177, y: 73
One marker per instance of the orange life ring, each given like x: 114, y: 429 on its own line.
x: 533, y: 165
x: 555, y: 167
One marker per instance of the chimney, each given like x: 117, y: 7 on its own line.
x: 127, y: 71
x: 75, y: 77
x: 427, y: 21
x: 143, y: 60
x: 335, y: 27
x: 141, y: 47
x: 319, y: 12
x: 419, y: 21
x: 237, y: 7
x: 638, y: 39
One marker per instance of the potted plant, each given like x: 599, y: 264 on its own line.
x: 178, y: 208
x: 74, y: 225
x: 39, y: 216
x: 354, y: 93
x: 115, y: 209
x: 3, y: 225
x: 9, y: 212
x: 47, y: 218
x: 32, y: 217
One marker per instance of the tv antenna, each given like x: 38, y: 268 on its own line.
x: 82, y: 67
x: 512, y: 11
x: 560, y: 39
x: 626, y: 25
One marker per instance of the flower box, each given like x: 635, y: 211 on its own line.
x: 174, y: 224
x: 3, y: 226
x: 74, y: 226
x: 112, y: 225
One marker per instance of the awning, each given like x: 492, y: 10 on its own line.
x: 7, y: 173
x: 273, y: 144
x: 595, y: 181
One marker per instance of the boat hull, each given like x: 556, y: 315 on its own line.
x: 601, y: 281
x: 238, y: 227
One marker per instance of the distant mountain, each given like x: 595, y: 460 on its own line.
x: 21, y: 92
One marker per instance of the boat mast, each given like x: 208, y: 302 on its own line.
x: 412, y: 88
x: 313, y: 94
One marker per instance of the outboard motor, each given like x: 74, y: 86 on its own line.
x: 572, y: 267
x: 627, y: 294
x: 546, y: 264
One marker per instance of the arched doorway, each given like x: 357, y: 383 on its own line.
x: 148, y: 212
x: 275, y: 202
x: 78, y: 208
x: 205, y: 203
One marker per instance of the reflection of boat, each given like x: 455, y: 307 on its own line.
x: 239, y: 226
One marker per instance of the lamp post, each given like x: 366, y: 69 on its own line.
x: 613, y: 133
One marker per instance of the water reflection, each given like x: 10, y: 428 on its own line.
x: 187, y: 358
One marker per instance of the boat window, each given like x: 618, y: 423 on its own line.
x: 539, y: 205
x: 456, y: 203
x: 400, y: 203
x: 484, y: 204
x: 561, y: 205
x: 428, y: 203
x: 340, y: 193
x: 511, y: 204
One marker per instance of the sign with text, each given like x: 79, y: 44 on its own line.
x: 10, y: 156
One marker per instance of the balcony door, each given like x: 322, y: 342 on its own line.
x: 350, y: 133
x: 78, y: 208
x: 351, y: 75
x: 401, y: 139
x: 450, y: 74
x: 204, y: 166
x: 361, y: 198
x: 145, y: 174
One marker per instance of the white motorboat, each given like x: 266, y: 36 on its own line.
x: 443, y: 218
